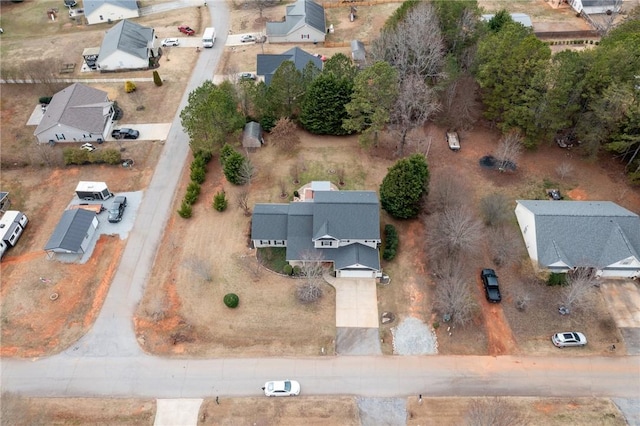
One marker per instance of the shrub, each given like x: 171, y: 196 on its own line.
x: 194, y: 187
x: 225, y: 152
x: 185, y: 210
x: 556, y: 279
x: 111, y: 156
x: 296, y: 194
x: 204, y: 156
x: 190, y: 197
x: 231, y: 300
x: 44, y: 100
x: 297, y: 270
x: 287, y: 269
x: 129, y: 86
x: 220, y: 201
x: 156, y: 79
x: 390, y: 242
x: 232, y: 168
x: 198, y: 162
x: 198, y: 175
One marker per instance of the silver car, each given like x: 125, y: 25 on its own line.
x: 569, y: 338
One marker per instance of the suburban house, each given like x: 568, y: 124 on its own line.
x: 78, y: 113
x: 107, y: 11
x: 252, y: 135
x: 595, y: 7
x: 73, y: 233
x: 563, y: 235
x: 341, y: 227
x: 127, y: 46
x: 304, y: 22
x: 267, y: 64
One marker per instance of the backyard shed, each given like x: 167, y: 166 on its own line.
x: 73, y: 233
x: 252, y: 135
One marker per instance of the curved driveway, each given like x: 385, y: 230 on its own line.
x: 109, y: 362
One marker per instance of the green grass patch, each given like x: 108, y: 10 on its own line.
x: 273, y: 258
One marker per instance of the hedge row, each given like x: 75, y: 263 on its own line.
x: 198, y: 171
x: 390, y: 242
x: 80, y: 156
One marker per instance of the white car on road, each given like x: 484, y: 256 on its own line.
x: 170, y: 42
x: 569, y: 338
x: 281, y: 388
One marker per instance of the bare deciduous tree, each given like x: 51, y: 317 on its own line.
x: 506, y: 244
x: 580, y: 282
x: 564, y: 170
x: 295, y: 172
x: 493, y: 412
x: 243, y: 202
x: 199, y: 266
x: 340, y: 173
x: 448, y: 189
x: 460, y: 105
x: 284, y: 135
x: 509, y: 151
x: 312, y: 269
x: 456, y: 232
x: 247, y: 172
x: 282, y: 185
x: 261, y: 5
x: 454, y: 297
x: 415, y: 46
x: 415, y: 104
x: 44, y: 72
x: 495, y: 209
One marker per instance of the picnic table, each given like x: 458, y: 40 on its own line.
x: 67, y: 68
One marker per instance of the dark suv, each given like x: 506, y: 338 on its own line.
x: 117, y: 209
x: 491, y: 287
x: 125, y: 134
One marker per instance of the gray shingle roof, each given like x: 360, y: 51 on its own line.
x: 71, y: 230
x: 129, y: 37
x: 269, y: 222
x: 91, y: 6
x: 268, y: 64
x: 358, y: 52
x: 343, y: 214
x: 300, y: 13
x: 346, y: 215
x: 584, y: 233
x: 78, y: 106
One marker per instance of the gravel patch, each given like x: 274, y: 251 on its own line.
x: 413, y: 337
x: 382, y: 411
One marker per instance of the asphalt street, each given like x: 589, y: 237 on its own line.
x: 109, y: 362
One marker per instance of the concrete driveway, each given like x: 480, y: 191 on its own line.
x: 148, y: 132
x: 356, y: 302
x: 623, y: 301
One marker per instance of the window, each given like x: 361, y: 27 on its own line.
x: 326, y: 243
x: 101, y: 18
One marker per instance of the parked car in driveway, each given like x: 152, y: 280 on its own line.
x: 246, y: 76
x: 282, y: 388
x: 170, y: 42
x: 491, y: 286
x: 116, y: 211
x: 186, y: 30
x: 125, y: 133
x: 569, y: 338
x: 247, y: 38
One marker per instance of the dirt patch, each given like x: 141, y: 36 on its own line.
x: 535, y: 411
x: 272, y: 411
x: 17, y: 410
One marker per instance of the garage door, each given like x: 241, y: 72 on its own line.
x: 355, y: 273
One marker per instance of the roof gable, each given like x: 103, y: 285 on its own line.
x: 298, y: 14
x: 91, y: 6
x: 78, y: 106
x: 129, y: 37
x: 71, y: 230
x: 597, y: 233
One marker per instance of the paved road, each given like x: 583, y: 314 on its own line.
x: 109, y: 362
x: 113, y: 334
x: 145, y: 376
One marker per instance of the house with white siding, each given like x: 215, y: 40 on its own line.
x: 564, y: 235
x: 304, y: 23
x: 107, y: 11
x: 127, y: 46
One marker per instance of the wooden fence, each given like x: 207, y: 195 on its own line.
x: 330, y: 4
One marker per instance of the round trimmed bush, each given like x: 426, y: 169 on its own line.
x: 287, y: 269
x: 231, y: 300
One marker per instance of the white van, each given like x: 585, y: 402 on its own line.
x: 209, y: 37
